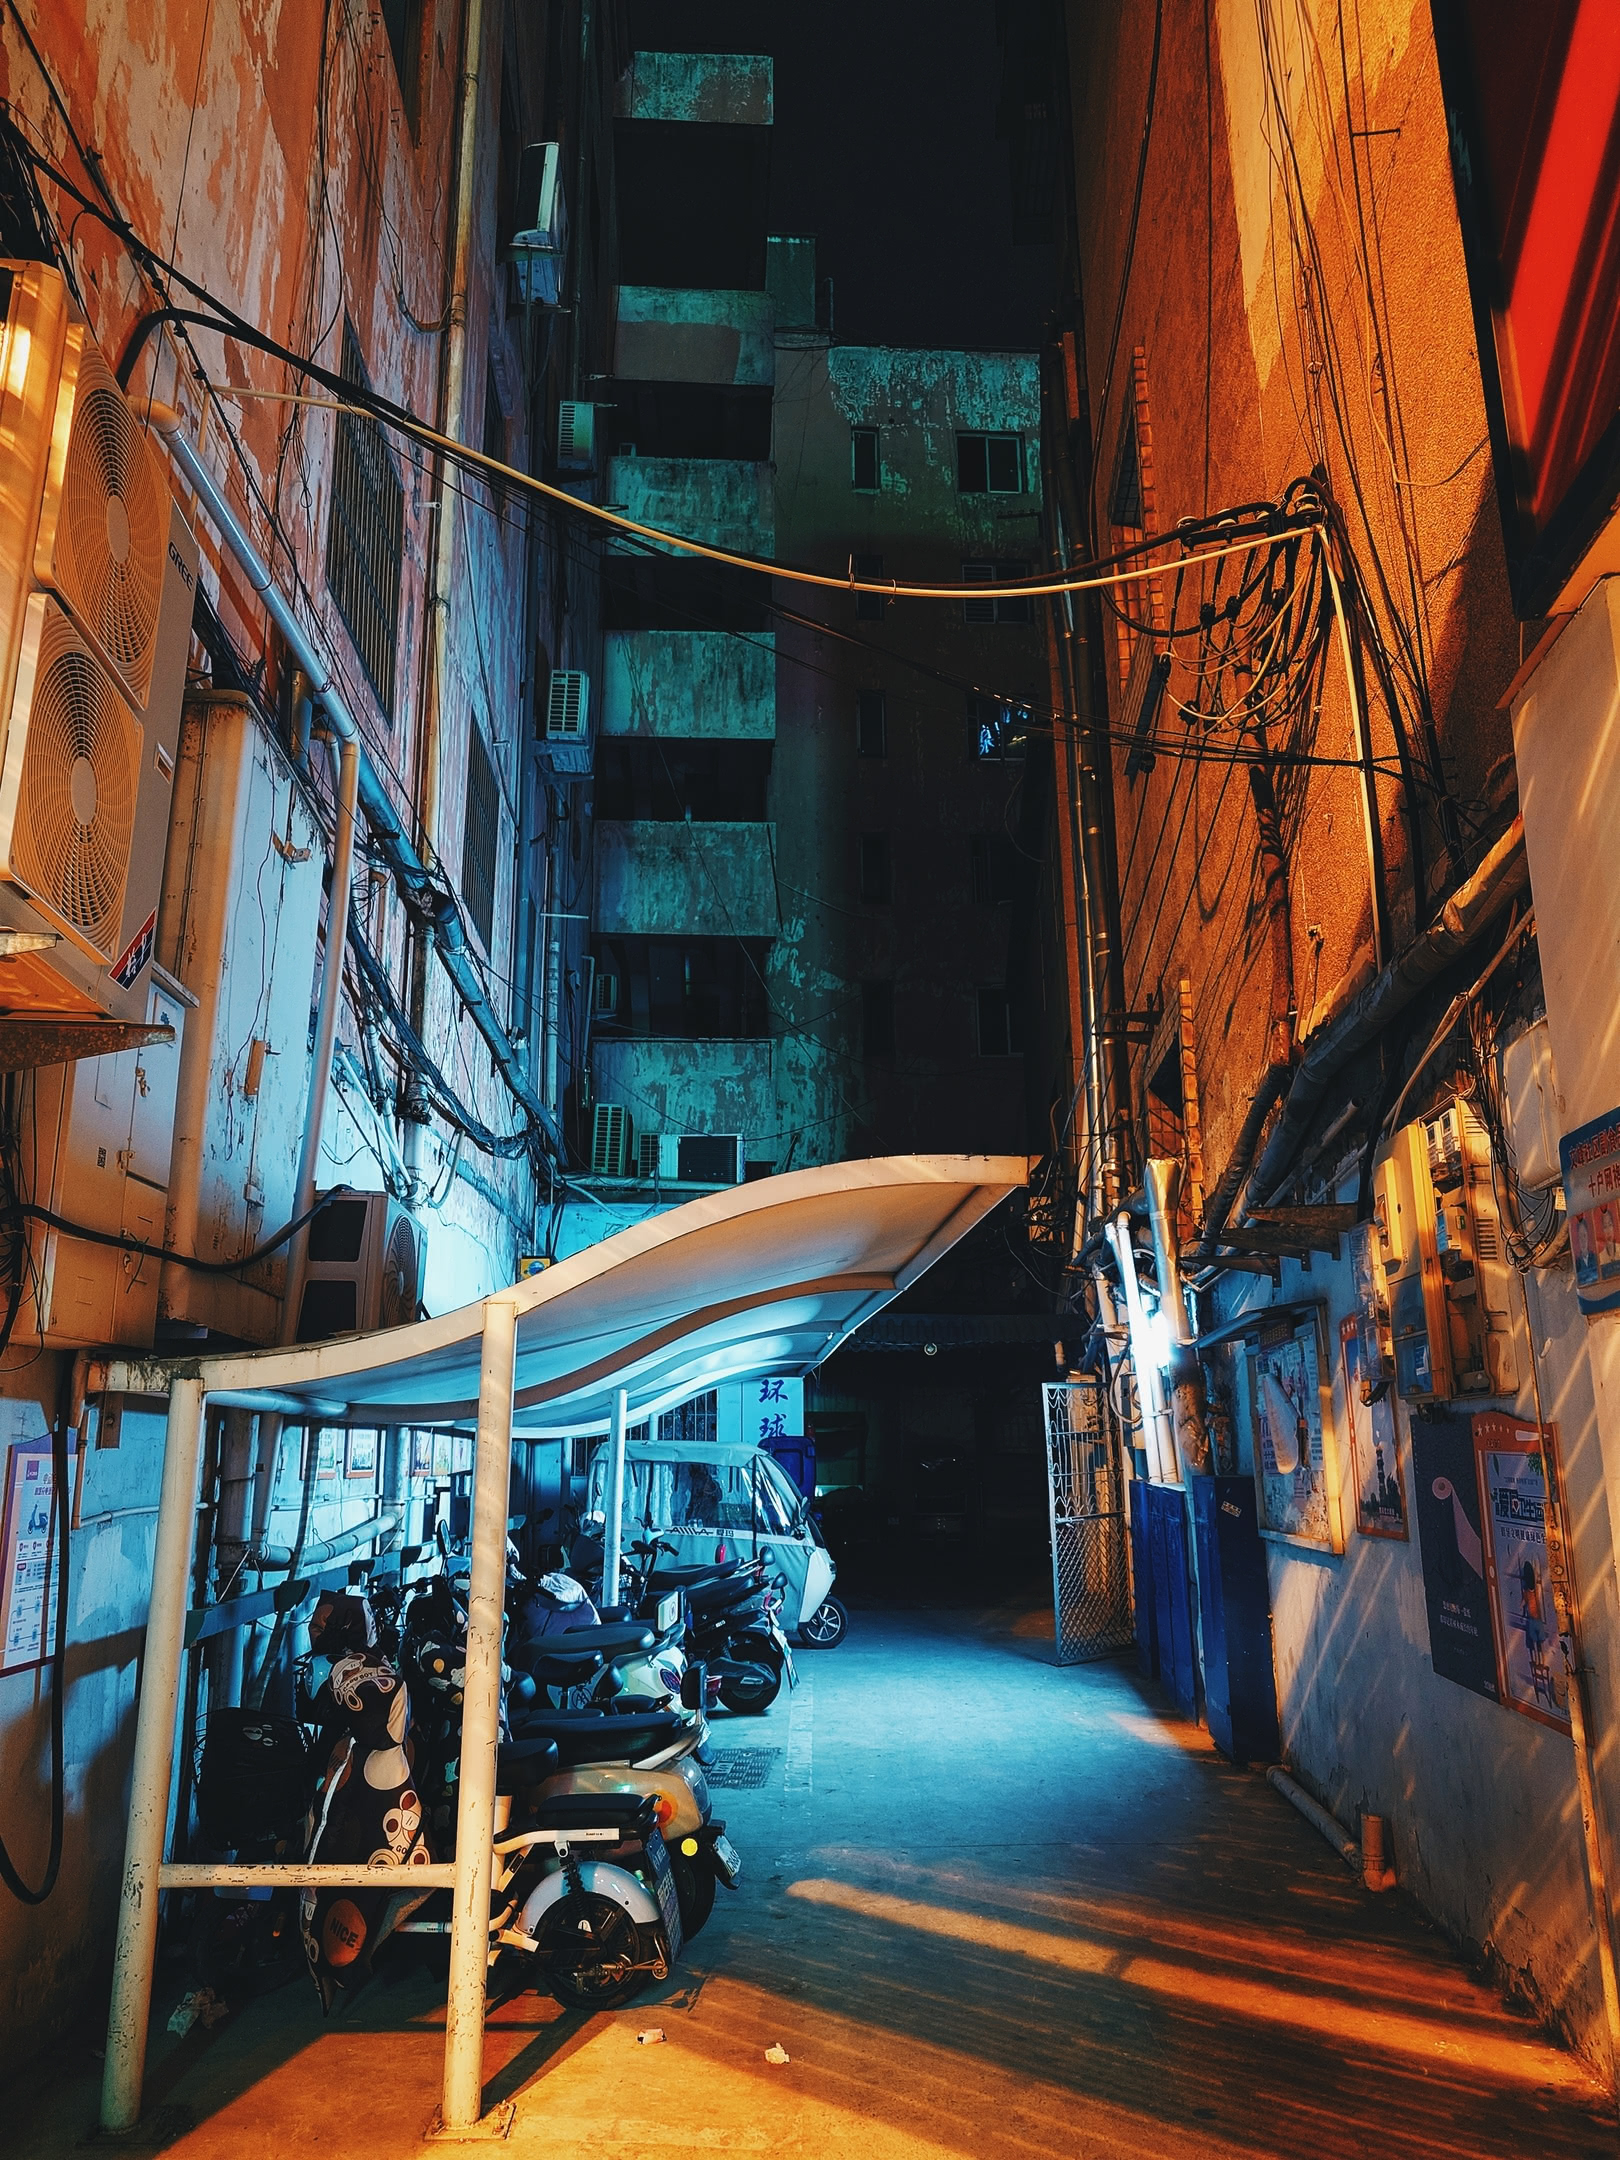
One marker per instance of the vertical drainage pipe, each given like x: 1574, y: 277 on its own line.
x: 462, y: 2102
x: 613, y: 1528
x: 1156, y: 1428
x: 135, y: 1950
x: 1189, y: 1409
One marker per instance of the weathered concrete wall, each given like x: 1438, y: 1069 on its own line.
x: 669, y: 335
x: 689, y: 682
x: 725, y: 502
x: 674, y: 1087
x: 722, y: 89
x: 685, y: 880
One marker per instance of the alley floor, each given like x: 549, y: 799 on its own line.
x: 990, y: 1907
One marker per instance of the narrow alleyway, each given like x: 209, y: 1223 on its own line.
x: 991, y: 1908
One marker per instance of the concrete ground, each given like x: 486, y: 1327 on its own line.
x: 989, y: 1907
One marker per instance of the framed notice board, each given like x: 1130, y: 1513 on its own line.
x: 28, y: 1557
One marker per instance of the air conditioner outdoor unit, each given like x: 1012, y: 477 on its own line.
x: 540, y: 246
x: 612, y: 1141
x: 97, y: 576
x: 566, y: 742
x: 365, y: 1263
x: 647, y: 1154
x: 701, y: 1158
x: 605, y: 994
x: 576, y: 436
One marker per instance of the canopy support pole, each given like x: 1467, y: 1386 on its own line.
x: 153, y: 1769
x: 463, y: 2098
x: 613, y: 1532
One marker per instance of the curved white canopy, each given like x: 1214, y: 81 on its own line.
x: 763, y: 1278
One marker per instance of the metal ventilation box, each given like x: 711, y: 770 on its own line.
x: 566, y: 736
x: 365, y: 1263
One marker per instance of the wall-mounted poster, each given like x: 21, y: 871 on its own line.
x: 326, y: 1454
x: 1445, y: 1488
x: 442, y: 1453
x: 1590, y: 1158
x: 1296, y: 1465
x: 421, y: 1454
x: 360, y: 1457
x: 1374, y: 1441
x: 1514, y: 1466
x: 462, y: 1455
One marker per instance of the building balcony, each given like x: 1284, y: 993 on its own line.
x: 676, y: 878
x: 674, y: 334
x: 689, y: 683
x: 725, y: 502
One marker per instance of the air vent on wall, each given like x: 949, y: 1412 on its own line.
x: 576, y: 436
x: 67, y: 792
x: 568, y: 706
x: 612, y: 1141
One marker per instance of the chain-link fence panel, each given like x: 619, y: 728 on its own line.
x: 1085, y: 1484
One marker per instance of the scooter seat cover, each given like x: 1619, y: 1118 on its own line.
x: 586, y: 1736
x: 626, y: 1639
x: 682, y: 1578
x: 525, y: 1761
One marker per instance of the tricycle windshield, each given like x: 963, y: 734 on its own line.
x: 737, y: 1493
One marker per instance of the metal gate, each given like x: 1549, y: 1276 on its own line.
x: 1085, y: 1488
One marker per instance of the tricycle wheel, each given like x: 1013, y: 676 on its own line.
x: 824, y: 1630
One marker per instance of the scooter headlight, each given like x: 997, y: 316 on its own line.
x: 690, y: 1771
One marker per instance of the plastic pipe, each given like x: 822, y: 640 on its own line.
x: 320, y: 1075
x: 462, y: 2103
x: 274, y: 1559
x: 153, y: 1767
x: 613, y: 1529
x: 1189, y: 1407
x: 1149, y: 1381
x: 1317, y: 1816
x: 231, y: 1536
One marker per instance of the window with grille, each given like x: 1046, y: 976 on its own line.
x: 871, y: 724
x: 480, y: 841
x: 993, y: 607
x: 869, y: 606
x: 365, y: 536
x: 995, y: 732
x: 989, y: 464
x: 998, y: 1024
x: 867, y: 468
x: 877, y: 867
x: 877, y: 1019
x: 994, y: 862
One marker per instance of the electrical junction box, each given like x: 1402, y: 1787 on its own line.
x: 1535, y: 1109
x: 96, y: 1141
x: 1445, y: 1261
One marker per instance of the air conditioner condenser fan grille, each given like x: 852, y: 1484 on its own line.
x: 397, y: 1304
x: 76, y: 795
x: 110, y: 543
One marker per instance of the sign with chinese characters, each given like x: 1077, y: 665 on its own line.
x: 1590, y: 1157
x: 1296, y: 1469
x: 772, y: 1409
x: 1374, y: 1441
x: 1462, y: 1642
x: 28, y: 1557
x: 1515, y: 1462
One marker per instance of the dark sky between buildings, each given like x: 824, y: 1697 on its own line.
x: 885, y: 148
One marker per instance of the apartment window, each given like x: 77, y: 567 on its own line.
x: 877, y: 867
x: 402, y: 20
x: 871, y: 724
x: 480, y: 839
x: 992, y: 607
x: 877, y: 1019
x: 867, y: 471
x: 365, y: 536
x: 994, y: 864
x: 869, y: 606
x: 995, y: 732
x: 998, y: 1025
x: 990, y: 464
x: 1125, y: 496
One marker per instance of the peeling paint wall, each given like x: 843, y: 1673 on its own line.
x: 717, y: 89
x: 722, y: 501
x: 687, y: 683
x: 685, y: 880
x: 698, y: 1087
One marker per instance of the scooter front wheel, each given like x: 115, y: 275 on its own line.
x: 694, y: 1890
x: 826, y: 1626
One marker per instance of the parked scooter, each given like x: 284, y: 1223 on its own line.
x: 733, y: 1621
